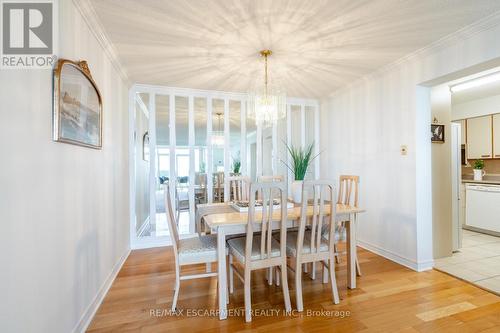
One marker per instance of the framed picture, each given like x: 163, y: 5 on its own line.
x: 77, y: 105
x: 145, y: 147
x: 437, y: 133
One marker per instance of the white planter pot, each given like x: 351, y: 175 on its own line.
x: 297, y: 191
x: 478, y: 174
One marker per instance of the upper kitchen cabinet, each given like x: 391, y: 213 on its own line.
x: 496, y: 135
x: 479, y: 143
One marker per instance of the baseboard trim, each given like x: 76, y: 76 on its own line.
x: 91, y: 310
x: 416, y: 266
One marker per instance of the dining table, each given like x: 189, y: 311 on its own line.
x: 225, y: 222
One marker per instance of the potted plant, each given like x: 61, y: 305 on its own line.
x: 479, y: 170
x: 301, y: 159
x: 236, y: 165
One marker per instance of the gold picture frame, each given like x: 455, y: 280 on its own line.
x: 77, y: 105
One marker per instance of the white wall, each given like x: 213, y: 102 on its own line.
x: 364, y: 125
x: 142, y: 168
x: 441, y: 175
x: 476, y: 108
x: 63, y: 208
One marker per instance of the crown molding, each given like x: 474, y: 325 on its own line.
x: 90, y: 17
x: 466, y: 32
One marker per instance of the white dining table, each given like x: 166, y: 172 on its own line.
x: 231, y: 223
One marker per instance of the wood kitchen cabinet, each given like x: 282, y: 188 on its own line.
x: 496, y: 135
x: 479, y: 142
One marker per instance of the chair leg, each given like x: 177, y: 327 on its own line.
x: 176, y: 290
x: 333, y: 280
x: 248, y: 299
x: 313, y: 271
x: 325, y: 272
x: 231, y: 274
x: 335, y: 249
x: 270, y: 275
x: 208, y: 267
x: 304, y: 267
x: 276, y: 270
x: 298, y: 289
x: 284, y: 285
x: 358, y: 268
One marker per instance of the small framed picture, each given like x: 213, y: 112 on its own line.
x: 437, y: 133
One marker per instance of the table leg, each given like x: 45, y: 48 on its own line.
x: 351, y: 251
x: 222, y: 274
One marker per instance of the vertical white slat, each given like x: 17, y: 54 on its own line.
x: 227, y: 149
x: 302, y: 125
x: 209, y: 165
x: 133, y: 136
x: 274, y: 149
x: 289, y: 142
x: 317, y: 162
x: 243, y: 142
x: 191, y: 164
x: 152, y: 158
x: 173, y: 171
x: 259, y: 150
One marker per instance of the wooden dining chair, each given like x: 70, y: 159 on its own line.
x: 309, y: 245
x: 190, y: 251
x: 261, y: 251
x: 238, y: 188
x: 201, y: 192
x: 348, y: 195
x: 271, y: 178
x: 219, y: 187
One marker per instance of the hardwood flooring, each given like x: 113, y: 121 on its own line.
x: 389, y: 298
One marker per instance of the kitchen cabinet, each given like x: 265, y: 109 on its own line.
x: 496, y: 135
x: 479, y: 141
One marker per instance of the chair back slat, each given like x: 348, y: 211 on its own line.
x: 238, y: 187
x: 271, y: 178
x: 322, y: 191
x: 171, y: 221
x: 268, y: 191
x: 348, y: 190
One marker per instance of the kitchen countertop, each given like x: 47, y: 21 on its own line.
x: 487, y: 179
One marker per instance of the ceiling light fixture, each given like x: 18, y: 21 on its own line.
x: 475, y: 82
x: 267, y: 103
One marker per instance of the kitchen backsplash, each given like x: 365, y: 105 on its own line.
x: 490, y: 166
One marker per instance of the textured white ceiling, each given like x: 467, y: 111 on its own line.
x: 318, y: 45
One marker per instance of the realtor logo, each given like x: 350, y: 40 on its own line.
x: 27, y: 34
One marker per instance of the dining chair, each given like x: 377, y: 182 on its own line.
x: 348, y: 195
x: 190, y: 251
x: 201, y: 192
x: 271, y: 178
x: 238, y: 188
x: 308, y: 245
x: 219, y: 186
x: 261, y: 251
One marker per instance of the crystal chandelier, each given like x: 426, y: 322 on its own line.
x: 218, y: 136
x: 267, y: 103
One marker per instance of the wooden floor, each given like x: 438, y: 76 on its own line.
x: 389, y: 298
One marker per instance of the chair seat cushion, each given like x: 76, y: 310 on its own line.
x: 237, y: 248
x: 199, y: 249
x: 291, y: 243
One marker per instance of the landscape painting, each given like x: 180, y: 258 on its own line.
x: 77, y: 106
